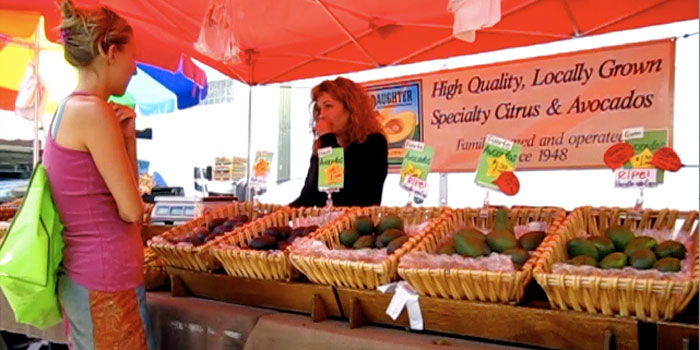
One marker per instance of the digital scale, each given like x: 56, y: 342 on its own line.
x: 170, y: 210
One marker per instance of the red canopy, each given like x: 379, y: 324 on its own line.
x: 282, y: 40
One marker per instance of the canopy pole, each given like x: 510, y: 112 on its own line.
x: 37, y: 97
x: 249, y: 189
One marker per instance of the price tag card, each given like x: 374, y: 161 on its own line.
x: 635, y: 178
x: 331, y: 169
x: 644, y: 149
x: 499, y: 156
x: 261, y: 169
x: 416, y: 166
x: 416, y: 186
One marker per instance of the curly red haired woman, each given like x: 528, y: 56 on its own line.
x: 343, y: 117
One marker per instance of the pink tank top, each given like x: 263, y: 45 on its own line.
x: 102, y: 252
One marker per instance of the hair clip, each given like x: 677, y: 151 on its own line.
x: 65, y: 33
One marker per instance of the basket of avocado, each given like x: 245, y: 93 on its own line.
x: 481, y: 255
x: 362, y: 249
x: 622, y: 262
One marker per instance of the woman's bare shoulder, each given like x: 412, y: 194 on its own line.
x: 87, y: 109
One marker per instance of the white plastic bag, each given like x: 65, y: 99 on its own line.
x: 216, y: 36
x: 472, y: 15
x: 26, y: 98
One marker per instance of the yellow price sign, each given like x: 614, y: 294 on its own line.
x: 334, y: 173
x: 498, y: 165
x: 643, y: 159
x: 411, y: 170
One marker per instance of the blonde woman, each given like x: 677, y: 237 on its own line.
x: 90, y: 159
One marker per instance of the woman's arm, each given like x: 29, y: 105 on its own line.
x: 104, y: 140
x: 127, y: 123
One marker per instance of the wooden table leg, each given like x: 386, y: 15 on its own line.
x: 318, y: 309
x: 357, y: 318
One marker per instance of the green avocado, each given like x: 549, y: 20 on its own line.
x: 615, y: 260
x: 364, y: 225
x: 582, y: 246
x: 348, y: 237
x: 671, y: 249
x: 642, y: 259
x: 620, y: 236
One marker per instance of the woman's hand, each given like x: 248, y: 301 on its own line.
x: 126, y: 117
x: 323, y: 126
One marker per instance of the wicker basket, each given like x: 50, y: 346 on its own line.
x: 199, y: 258
x: 155, y: 275
x: 7, y: 213
x: 477, y: 285
x: 646, y: 299
x: 147, y: 212
x: 238, y: 261
x: 358, y: 274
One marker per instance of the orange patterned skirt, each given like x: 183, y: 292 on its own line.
x: 104, y: 320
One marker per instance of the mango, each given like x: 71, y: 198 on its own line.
x: 229, y: 225
x: 581, y: 246
x: 671, y: 249
x: 668, y: 264
x: 531, y: 240
x: 447, y: 248
x: 640, y: 242
x: 500, y: 240
x: 614, y: 261
x: 366, y: 241
x: 200, y: 233
x: 642, y: 259
x: 518, y: 255
x: 241, y: 218
x: 364, y: 225
x: 282, y: 245
x: 501, y: 222
x: 264, y: 242
x: 213, y: 223
x: 583, y: 260
x: 396, y: 244
x: 471, y: 246
x: 310, y: 229
x: 471, y: 232
x: 389, y: 221
x: 274, y: 232
x: 348, y: 237
x: 604, y: 245
x: 297, y: 232
x: 388, y: 236
x: 620, y: 236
